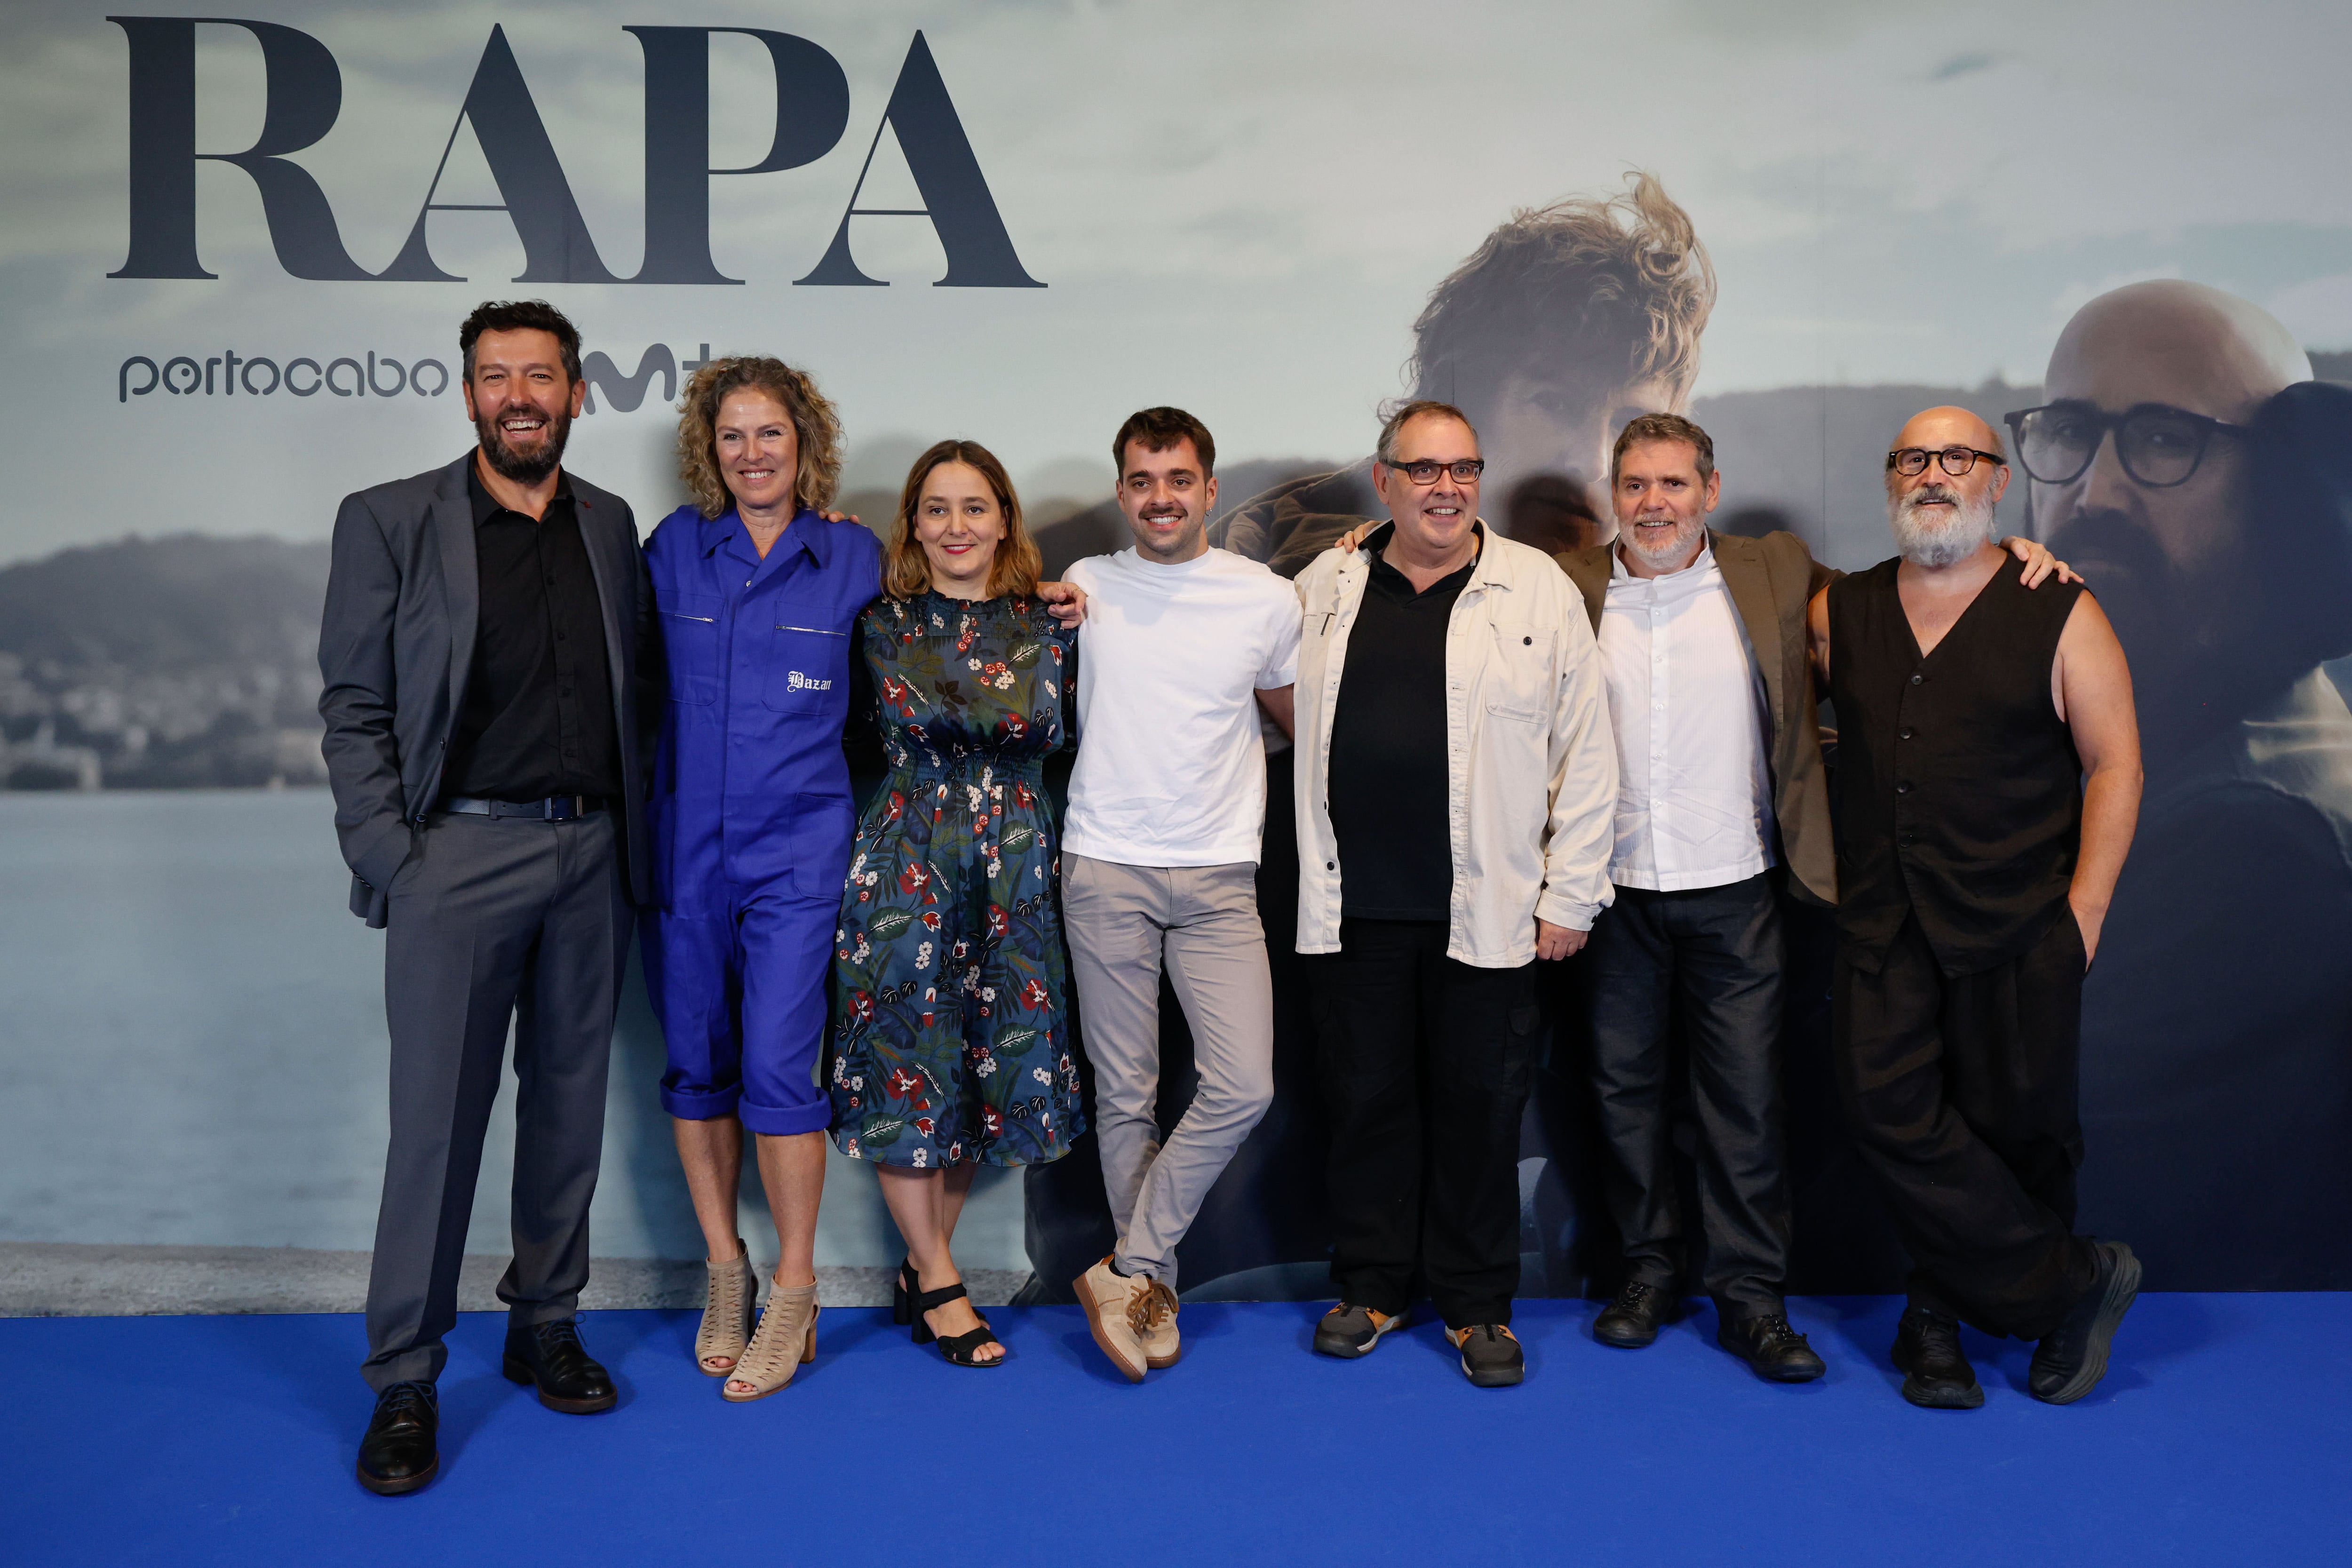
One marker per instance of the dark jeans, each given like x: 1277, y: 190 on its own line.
x: 1962, y: 1094
x: 1714, y: 955
x: 1425, y: 1066
x: 492, y: 922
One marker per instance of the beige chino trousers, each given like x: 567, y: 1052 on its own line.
x: 1200, y: 923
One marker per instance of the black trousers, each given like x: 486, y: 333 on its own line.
x: 493, y: 921
x: 1714, y: 955
x: 1425, y: 1064
x: 1961, y: 1091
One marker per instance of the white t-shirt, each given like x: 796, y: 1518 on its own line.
x: 1171, y: 764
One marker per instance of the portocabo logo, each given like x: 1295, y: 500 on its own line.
x: 372, y: 374
x: 303, y: 95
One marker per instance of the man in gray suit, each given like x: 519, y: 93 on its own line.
x: 481, y: 654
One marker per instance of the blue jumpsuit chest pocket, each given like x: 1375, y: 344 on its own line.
x: 689, y: 632
x: 807, y: 668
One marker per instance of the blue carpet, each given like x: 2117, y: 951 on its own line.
x: 2220, y: 1435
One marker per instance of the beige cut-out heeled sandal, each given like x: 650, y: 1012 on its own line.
x: 726, y: 1314
x: 784, y: 1343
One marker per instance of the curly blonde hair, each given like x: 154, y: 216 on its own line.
x: 1619, y: 286
x: 907, y: 571
x: 816, y: 430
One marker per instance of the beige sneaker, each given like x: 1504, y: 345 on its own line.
x: 1162, y: 1346
x: 1111, y: 1300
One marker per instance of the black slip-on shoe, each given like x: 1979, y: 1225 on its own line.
x: 1777, y: 1353
x: 2069, y: 1362
x: 1632, y: 1320
x: 550, y: 1356
x: 1348, y: 1330
x: 1491, y: 1358
x: 398, y: 1454
x: 1935, y: 1372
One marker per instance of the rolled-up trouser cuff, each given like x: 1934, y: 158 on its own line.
x: 785, y: 1121
x: 701, y: 1104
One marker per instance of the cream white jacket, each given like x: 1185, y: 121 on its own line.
x: 1531, y: 780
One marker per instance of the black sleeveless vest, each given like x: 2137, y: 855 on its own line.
x: 1958, y: 792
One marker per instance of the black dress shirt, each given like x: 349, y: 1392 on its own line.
x: 1389, y: 792
x: 537, y: 718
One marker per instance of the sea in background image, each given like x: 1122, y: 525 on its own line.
x: 193, y: 1051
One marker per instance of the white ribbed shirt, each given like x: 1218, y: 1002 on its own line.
x: 1687, y: 703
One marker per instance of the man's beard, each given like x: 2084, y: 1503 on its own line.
x: 523, y: 468
x: 2192, y: 644
x: 1933, y: 544
x: 1672, y: 553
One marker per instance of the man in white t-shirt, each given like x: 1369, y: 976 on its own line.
x: 1183, y: 646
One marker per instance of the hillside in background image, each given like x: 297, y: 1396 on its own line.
x: 180, y: 662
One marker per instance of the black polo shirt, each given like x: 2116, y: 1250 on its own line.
x: 1388, y: 780
x: 538, y: 717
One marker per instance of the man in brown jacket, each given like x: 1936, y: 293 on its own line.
x: 1722, y: 799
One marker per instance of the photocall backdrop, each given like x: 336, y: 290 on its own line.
x: 236, y: 252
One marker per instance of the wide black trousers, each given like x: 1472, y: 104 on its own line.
x: 1713, y: 955
x: 1425, y: 1064
x: 1962, y: 1093
x: 492, y: 923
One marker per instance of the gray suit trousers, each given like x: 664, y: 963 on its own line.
x: 1123, y: 921
x: 492, y: 922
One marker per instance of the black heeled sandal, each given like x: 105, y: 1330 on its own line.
x: 956, y: 1348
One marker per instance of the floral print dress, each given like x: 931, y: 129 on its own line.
x: 949, y: 1041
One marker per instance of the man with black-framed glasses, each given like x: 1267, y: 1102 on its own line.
x: 1987, y: 779
x: 1456, y: 789
x: 2182, y: 455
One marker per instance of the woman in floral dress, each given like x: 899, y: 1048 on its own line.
x: 950, y: 1046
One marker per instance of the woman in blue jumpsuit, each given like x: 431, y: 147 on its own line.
x: 756, y: 594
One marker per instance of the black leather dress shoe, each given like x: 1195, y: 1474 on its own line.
x: 551, y: 1355
x: 1935, y: 1372
x: 1632, y: 1320
x: 1778, y: 1352
x: 2070, y: 1362
x: 397, y: 1455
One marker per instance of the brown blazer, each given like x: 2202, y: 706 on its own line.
x: 1771, y: 579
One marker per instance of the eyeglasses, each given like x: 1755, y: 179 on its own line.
x: 1465, y: 470
x: 2159, y: 446
x: 1912, y: 461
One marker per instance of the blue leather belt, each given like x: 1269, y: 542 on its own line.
x: 555, y: 808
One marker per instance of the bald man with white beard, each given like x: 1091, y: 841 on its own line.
x: 2185, y: 460
x: 1987, y: 780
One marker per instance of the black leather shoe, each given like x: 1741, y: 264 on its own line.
x: 1778, y: 1352
x: 397, y: 1455
x: 1632, y: 1320
x: 1935, y: 1372
x: 1491, y: 1358
x: 2069, y: 1362
x: 551, y: 1355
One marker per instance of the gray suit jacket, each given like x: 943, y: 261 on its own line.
x: 1771, y: 579
x: 396, y: 647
